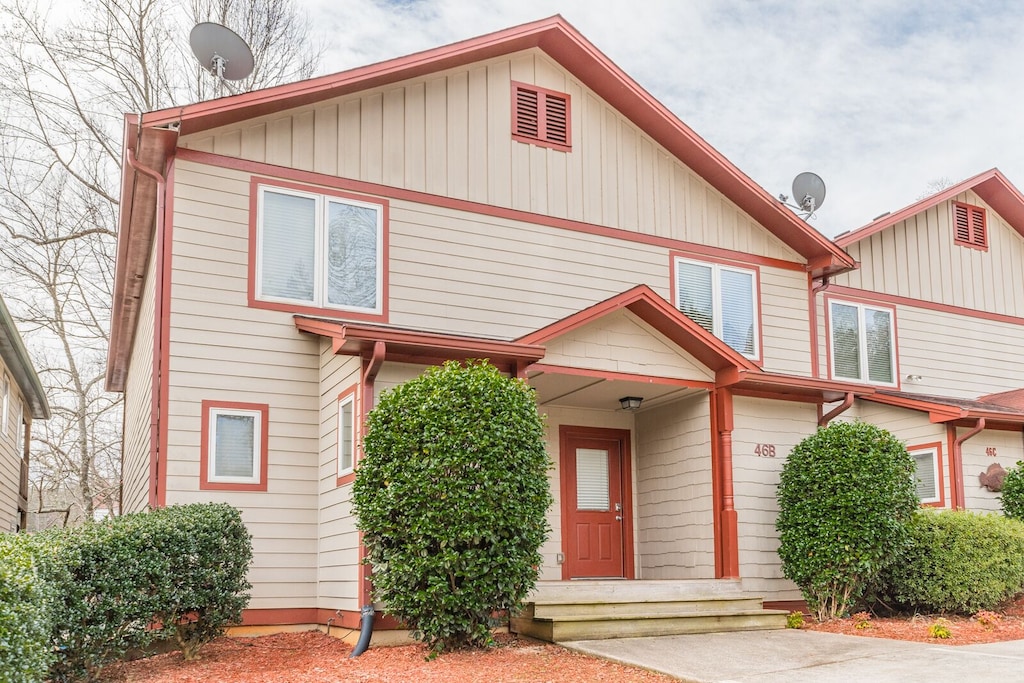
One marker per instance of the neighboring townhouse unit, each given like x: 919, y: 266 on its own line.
x: 22, y: 399
x: 933, y: 320
x: 286, y: 255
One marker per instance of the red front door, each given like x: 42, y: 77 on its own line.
x: 595, y: 523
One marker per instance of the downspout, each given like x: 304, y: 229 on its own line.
x: 958, y: 461
x: 837, y: 411
x: 154, y: 415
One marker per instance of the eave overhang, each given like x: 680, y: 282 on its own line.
x: 992, y: 186
x: 810, y: 389
x: 149, y: 148
x: 414, y: 346
x: 568, y: 47
x: 16, y: 358
x: 948, y: 410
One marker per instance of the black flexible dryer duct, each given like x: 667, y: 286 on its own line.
x: 365, y: 631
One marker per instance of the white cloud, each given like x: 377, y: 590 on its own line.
x: 878, y: 97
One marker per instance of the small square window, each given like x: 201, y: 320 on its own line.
x: 234, y: 446
x: 541, y: 116
x: 927, y: 476
x: 346, y: 434
x: 969, y: 226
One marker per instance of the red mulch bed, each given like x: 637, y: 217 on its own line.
x: 313, y: 656
x: 963, y: 630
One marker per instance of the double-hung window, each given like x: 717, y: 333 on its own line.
x: 723, y: 300
x: 927, y: 480
x: 863, y: 342
x: 319, y: 250
x: 234, y: 448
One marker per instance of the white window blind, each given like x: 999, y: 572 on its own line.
x: 862, y: 343
x: 288, y: 247
x: 235, y: 440
x: 592, y: 479
x: 345, y: 440
x: 845, y: 341
x: 878, y: 330
x: 721, y: 299
x: 926, y: 476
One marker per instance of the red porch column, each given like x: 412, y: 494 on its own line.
x: 727, y: 555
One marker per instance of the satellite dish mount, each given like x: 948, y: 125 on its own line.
x: 808, y: 193
x: 222, y: 52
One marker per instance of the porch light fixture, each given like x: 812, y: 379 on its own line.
x: 631, y: 402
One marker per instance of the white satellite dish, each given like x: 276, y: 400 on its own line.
x: 221, y: 51
x: 808, y: 191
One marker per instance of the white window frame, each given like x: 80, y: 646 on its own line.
x: 862, y: 342
x: 934, y: 452
x: 6, y: 420
x: 323, y: 202
x: 347, y: 401
x: 257, y: 446
x: 716, y: 298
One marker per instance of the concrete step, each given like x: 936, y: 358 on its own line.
x: 595, y: 627
x: 622, y: 590
x: 618, y: 608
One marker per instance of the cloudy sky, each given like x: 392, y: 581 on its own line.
x: 881, y: 98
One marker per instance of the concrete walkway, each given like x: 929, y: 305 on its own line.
x: 790, y: 655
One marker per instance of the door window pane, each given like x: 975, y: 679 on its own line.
x: 592, y: 479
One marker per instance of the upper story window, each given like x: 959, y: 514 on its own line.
x: 969, y: 226
x: 540, y: 116
x: 723, y: 300
x: 5, y: 400
x: 862, y: 342
x: 319, y: 250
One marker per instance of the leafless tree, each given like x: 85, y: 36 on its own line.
x: 65, y: 83
x: 936, y: 185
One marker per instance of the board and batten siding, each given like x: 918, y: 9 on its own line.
x: 338, y: 567
x: 449, y: 134
x: 917, y: 258
x: 675, y: 538
x: 137, y: 441
x: 223, y: 350
x: 779, y: 426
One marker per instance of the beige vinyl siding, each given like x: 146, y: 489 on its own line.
x: 675, y: 538
x: 10, y: 458
x: 450, y: 134
x: 918, y: 258
x: 220, y: 349
x: 138, y: 400
x: 622, y: 342
x: 781, y: 425
x: 338, y: 581
x: 550, y: 569
x: 1008, y: 451
x: 785, y: 329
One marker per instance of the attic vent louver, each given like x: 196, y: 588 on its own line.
x: 540, y: 116
x: 969, y: 227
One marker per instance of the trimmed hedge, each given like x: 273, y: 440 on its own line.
x: 845, y: 496
x: 451, y: 497
x: 958, y: 562
x: 25, y: 652
x: 124, y: 583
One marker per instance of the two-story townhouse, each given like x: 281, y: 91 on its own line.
x: 22, y: 399
x: 933, y: 320
x: 286, y: 255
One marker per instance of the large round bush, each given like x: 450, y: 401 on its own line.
x: 451, y: 497
x: 845, y: 498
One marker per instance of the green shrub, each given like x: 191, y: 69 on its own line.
x: 24, y: 614
x: 958, y: 562
x: 1012, y: 496
x: 451, y: 497
x: 845, y: 496
x: 121, y: 584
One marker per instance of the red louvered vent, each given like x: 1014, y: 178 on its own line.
x: 541, y: 117
x: 969, y: 226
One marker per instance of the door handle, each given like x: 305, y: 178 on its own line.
x: 618, y: 518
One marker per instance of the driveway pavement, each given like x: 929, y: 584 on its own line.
x: 791, y: 655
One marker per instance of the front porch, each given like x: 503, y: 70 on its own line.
x: 560, y: 611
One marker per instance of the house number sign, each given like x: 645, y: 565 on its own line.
x: 764, y: 450
x: 991, y: 451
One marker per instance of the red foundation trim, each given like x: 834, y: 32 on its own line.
x: 349, y: 619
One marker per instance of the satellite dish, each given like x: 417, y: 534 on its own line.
x: 808, y: 191
x: 221, y: 51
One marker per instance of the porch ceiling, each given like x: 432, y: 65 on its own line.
x: 602, y: 393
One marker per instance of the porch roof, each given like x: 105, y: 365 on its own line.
x: 960, y: 411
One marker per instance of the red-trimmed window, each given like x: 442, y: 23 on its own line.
x: 541, y: 116
x: 347, y: 420
x: 928, y: 473
x: 969, y: 226
x: 862, y: 342
x: 233, y: 449
x: 723, y: 300
x: 319, y: 250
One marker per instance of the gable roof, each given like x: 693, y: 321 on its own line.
x: 992, y: 186
x: 15, y: 356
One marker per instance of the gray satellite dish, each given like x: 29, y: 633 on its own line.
x: 221, y: 51
x: 808, y: 191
